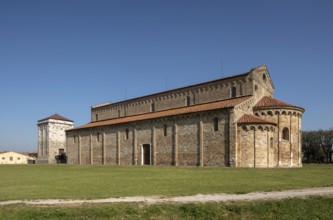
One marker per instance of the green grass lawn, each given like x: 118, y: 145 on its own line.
x: 88, y: 182
x: 296, y: 208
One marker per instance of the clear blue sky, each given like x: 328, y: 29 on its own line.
x: 63, y: 56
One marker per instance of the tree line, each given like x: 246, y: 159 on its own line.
x: 317, y: 146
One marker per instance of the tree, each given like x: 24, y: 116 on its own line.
x: 317, y: 146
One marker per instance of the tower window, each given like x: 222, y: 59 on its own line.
x: 97, y: 136
x: 118, y: 113
x: 285, y: 134
x: 216, y: 124
x: 264, y: 77
x: 233, y: 92
x: 96, y: 116
x: 152, y: 107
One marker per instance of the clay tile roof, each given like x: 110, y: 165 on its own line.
x: 251, y: 119
x: 271, y: 102
x: 56, y: 117
x: 228, y: 103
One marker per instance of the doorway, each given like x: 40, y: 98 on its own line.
x: 146, y: 154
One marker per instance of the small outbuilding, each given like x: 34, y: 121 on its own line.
x: 11, y: 157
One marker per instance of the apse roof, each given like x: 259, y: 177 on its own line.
x: 251, y: 119
x: 267, y: 101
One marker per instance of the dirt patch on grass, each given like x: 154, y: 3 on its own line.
x: 200, y: 198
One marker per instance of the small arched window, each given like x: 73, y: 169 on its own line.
x: 126, y: 134
x: 264, y: 77
x: 152, y: 107
x: 188, y: 101
x: 216, y: 124
x: 233, y: 92
x: 165, y: 130
x: 285, y: 134
x: 97, y: 136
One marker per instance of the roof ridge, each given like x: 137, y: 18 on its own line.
x: 220, y: 104
x: 179, y: 88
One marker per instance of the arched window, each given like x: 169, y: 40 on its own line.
x: 188, y: 101
x: 216, y: 124
x: 152, y: 107
x: 127, y: 134
x: 165, y: 130
x: 264, y: 77
x: 285, y: 134
x: 233, y: 92
x: 96, y: 116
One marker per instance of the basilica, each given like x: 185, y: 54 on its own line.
x: 229, y: 122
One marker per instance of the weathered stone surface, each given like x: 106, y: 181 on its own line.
x: 51, y: 139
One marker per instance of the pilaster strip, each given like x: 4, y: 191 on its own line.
x: 201, y: 140
x: 91, y: 150
x: 135, y: 154
x: 175, y: 145
x: 79, y: 150
x: 103, y: 146
x: 118, y: 147
x: 154, y: 145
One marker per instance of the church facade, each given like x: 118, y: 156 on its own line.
x: 228, y: 122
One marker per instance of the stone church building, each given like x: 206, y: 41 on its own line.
x: 228, y: 122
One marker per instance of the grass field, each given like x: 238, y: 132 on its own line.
x: 88, y: 182
x: 311, y: 208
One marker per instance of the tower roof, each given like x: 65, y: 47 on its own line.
x: 56, y: 117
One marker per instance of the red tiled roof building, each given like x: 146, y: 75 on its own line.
x: 233, y: 121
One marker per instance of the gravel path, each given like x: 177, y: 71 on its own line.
x: 221, y: 197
